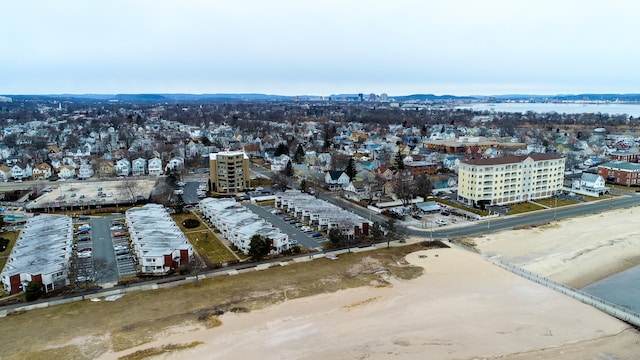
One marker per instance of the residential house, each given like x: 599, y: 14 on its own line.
x: 279, y: 163
x: 55, y: 164
x: 139, y: 167
x: 19, y: 172
x: 176, y: 163
x: 5, y: 173
x: 155, y: 166
x: 42, y: 171
x: 591, y: 182
x: 383, y: 173
x: 66, y: 172
x: 357, y: 190
x: 106, y: 168
x: 336, y: 180
x: 123, y: 167
x: 85, y: 171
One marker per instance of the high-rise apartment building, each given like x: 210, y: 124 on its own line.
x: 229, y: 171
x: 509, y: 179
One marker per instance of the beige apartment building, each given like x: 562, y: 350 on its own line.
x: 229, y: 171
x: 510, y: 179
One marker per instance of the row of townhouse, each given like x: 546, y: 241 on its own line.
x: 42, y: 254
x: 238, y: 225
x: 122, y: 167
x: 157, y: 241
x: 321, y: 214
x: 510, y: 179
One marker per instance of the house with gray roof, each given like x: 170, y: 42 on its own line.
x: 42, y: 254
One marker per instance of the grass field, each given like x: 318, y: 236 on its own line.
x: 523, y: 208
x: 87, y: 329
x: 204, y: 241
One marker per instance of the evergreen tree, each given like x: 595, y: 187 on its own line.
x: 33, y: 291
x: 351, y: 169
x: 281, y: 149
x: 288, y: 169
x: 179, y: 205
x: 259, y: 247
x: 398, y: 161
x: 298, y: 157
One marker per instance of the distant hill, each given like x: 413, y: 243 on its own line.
x: 431, y: 97
x: 179, y: 97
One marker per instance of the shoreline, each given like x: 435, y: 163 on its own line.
x: 460, y: 298
x: 576, y: 252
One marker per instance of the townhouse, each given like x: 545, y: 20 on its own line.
x: 321, y: 214
x: 157, y: 241
x: 42, y: 254
x: 238, y: 225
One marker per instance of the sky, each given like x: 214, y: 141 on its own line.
x: 296, y: 47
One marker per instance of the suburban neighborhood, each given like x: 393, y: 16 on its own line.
x: 274, y: 178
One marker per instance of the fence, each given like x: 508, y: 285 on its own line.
x: 605, y: 306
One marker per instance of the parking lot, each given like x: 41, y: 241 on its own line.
x: 122, y: 248
x: 296, y: 235
x: 91, y: 193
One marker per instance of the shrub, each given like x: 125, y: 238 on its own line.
x: 191, y: 223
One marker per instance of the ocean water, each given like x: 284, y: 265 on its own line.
x: 560, y: 108
x: 621, y: 289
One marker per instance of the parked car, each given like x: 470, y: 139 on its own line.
x: 441, y: 222
x: 85, y: 249
x: 84, y: 255
x: 315, y: 234
x: 118, y: 234
x: 83, y: 217
x: 84, y: 237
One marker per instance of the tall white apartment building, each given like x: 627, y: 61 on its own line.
x: 509, y: 179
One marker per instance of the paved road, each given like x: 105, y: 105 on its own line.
x: 278, y: 221
x: 103, y: 247
x: 537, y: 217
x: 190, y: 195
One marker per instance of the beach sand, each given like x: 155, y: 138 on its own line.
x: 575, y: 252
x: 463, y: 307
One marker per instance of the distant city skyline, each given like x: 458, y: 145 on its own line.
x: 284, y: 47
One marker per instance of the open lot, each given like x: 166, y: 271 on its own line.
x: 86, y: 193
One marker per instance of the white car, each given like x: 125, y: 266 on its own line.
x: 84, y: 255
x: 441, y: 222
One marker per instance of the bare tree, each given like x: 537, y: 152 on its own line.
x: 130, y: 189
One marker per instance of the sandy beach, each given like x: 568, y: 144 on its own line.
x: 576, y: 252
x: 463, y: 307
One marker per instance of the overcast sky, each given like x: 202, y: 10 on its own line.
x: 296, y: 47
